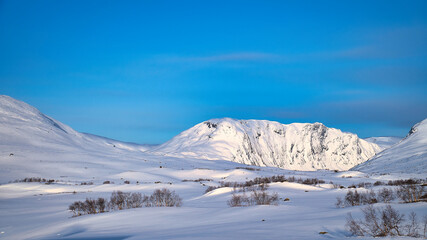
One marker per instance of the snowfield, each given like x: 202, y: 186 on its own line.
x: 35, y: 145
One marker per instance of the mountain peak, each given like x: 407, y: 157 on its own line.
x: 296, y: 146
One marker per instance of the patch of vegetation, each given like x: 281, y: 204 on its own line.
x: 35, y: 179
x: 86, y: 183
x: 257, y: 197
x: 125, y: 200
x: 407, y: 193
x: 248, y: 168
x: 264, y: 180
x: 197, y: 180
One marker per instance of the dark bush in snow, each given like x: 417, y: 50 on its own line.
x: 257, y: 197
x: 89, y: 206
x: 35, y: 179
x: 386, y: 195
x: 239, y: 201
x: 211, y: 188
x: 124, y: 200
x: 355, y: 198
x: 164, y: 198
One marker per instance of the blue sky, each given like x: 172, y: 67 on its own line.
x: 143, y: 71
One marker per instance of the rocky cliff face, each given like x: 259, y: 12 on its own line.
x: 297, y: 146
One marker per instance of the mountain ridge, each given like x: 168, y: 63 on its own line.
x: 296, y: 146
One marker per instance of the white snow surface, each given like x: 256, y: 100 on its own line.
x: 407, y: 156
x: 296, y: 146
x: 384, y: 142
x: 34, y: 145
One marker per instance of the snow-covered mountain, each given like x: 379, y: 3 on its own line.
x: 407, y: 156
x: 384, y: 142
x: 24, y: 125
x: 33, y: 144
x: 297, y: 146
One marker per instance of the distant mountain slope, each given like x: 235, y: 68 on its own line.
x: 24, y: 125
x: 297, y: 146
x: 35, y: 145
x: 408, y: 156
x: 384, y: 142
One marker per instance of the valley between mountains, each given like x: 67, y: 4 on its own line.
x: 306, y: 165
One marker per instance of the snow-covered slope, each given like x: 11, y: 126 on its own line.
x: 33, y: 144
x: 297, y: 146
x: 384, y: 142
x: 24, y: 125
x: 408, y: 156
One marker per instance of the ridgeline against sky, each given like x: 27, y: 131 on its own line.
x: 143, y: 71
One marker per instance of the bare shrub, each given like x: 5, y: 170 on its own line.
x: 263, y: 198
x: 392, y: 221
x: 378, y: 183
x: 101, y: 204
x: 86, y: 183
x: 165, y: 198
x: 352, y: 198
x: 410, y: 193
x: 401, y: 182
x: 354, y: 226
x: 386, y: 195
x: 239, y: 201
x: 124, y: 200
x: 413, y: 226
x: 74, y: 208
x: 258, y: 196
x: 198, y: 180
x: 368, y: 197
x: 35, y: 179
x: 210, y: 188
x: 135, y: 200
x: 248, y: 168
x: 339, y: 203
x: 118, y: 200
x: 424, y: 225
x: 383, y: 222
x: 89, y: 206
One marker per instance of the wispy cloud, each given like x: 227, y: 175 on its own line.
x: 387, y: 43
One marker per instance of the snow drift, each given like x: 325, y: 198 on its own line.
x: 297, y: 146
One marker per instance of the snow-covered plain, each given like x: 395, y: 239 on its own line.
x: 34, y: 145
